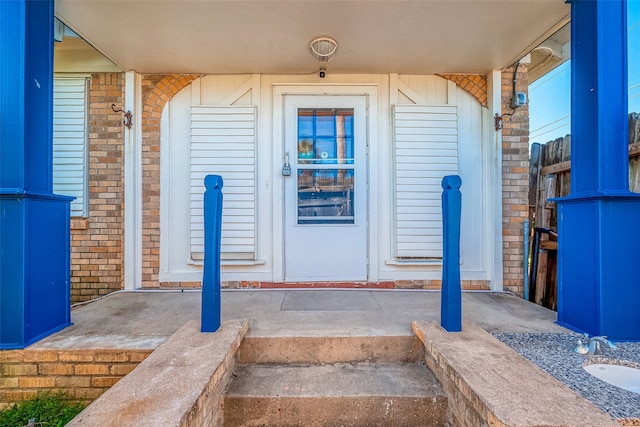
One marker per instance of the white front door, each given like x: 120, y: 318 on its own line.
x: 326, y: 192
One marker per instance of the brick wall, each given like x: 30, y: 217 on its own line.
x: 97, y: 241
x: 515, y: 180
x: 157, y: 90
x: 475, y: 285
x: 82, y: 374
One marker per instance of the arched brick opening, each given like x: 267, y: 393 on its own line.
x: 157, y: 90
x: 474, y: 84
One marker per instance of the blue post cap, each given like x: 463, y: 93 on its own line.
x: 213, y: 182
x: 451, y: 182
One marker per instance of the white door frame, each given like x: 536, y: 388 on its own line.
x: 279, y: 93
x: 340, y: 251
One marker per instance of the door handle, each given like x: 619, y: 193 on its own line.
x: 286, y: 168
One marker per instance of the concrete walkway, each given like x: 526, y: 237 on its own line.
x: 143, y: 320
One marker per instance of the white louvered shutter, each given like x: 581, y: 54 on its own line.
x: 426, y: 149
x: 70, y: 141
x: 223, y: 142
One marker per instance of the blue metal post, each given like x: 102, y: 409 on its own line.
x: 210, y: 316
x: 451, y: 301
x: 598, y: 227
x: 525, y: 282
x: 34, y: 223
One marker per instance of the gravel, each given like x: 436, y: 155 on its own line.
x: 553, y: 352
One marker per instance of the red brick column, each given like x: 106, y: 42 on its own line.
x: 515, y: 180
x: 97, y: 241
x: 157, y: 90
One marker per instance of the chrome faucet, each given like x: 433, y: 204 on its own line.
x: 593, y: 345
x: 596, y: 343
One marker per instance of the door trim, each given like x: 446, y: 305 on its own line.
x: 317, y: 251
x: 280, y: 91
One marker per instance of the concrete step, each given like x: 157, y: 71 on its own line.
x: 331, y: 349
x: 339, y: 394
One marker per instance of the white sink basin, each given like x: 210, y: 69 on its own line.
x: 624, y: 377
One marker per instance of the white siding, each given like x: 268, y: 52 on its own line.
x: 425, y: 150
x: 476, y: 163
x: 223, y: 142
x: 69, y: 141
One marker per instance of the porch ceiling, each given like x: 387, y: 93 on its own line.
x: 272, y: 36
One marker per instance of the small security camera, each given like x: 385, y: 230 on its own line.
x: 322, y: 73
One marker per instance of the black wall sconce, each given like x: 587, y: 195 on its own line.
x: 127, y: 116
x: 497, y: 119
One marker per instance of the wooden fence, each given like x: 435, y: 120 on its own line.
x: 550, y: 176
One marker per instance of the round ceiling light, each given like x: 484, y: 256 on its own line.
x: 323, y: 49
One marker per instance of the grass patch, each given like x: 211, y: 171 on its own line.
x: 46, y: 410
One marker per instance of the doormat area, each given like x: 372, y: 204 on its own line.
x: 328, y: 301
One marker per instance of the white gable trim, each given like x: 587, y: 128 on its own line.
x: 239, y: 93
x: 133, y: 184
x: 493, y: 177
x: 410, y: 93
x: 425, y: 150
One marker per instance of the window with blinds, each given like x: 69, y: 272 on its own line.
x: 70, y: 133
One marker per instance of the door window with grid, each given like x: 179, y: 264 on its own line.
x: 325, y: 165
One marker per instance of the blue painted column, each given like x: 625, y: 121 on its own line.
x: 598, y: 223
x: 34, y: 223
x: 451, y: 299
x: 211, y: 308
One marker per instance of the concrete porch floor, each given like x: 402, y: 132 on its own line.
x: 471, y: 363
x: 145, y: 319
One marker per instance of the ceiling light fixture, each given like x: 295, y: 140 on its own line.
x: 323, y: 49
